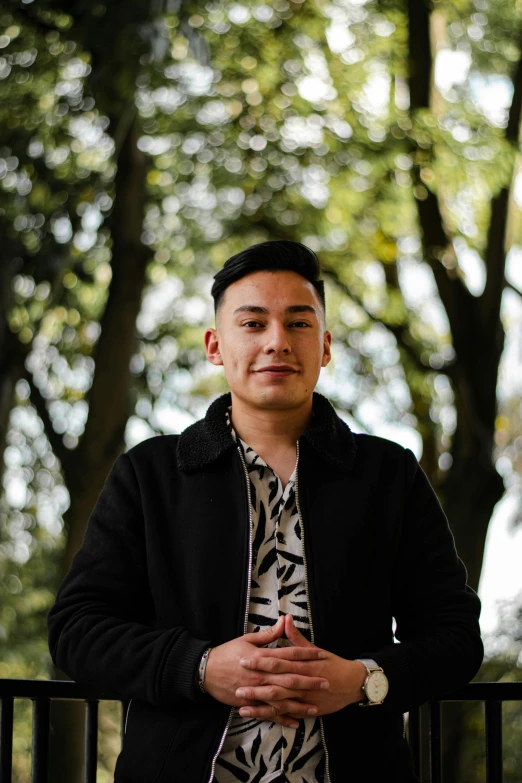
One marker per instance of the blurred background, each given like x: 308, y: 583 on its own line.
x: 142, y: 143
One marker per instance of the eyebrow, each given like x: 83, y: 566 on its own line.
x: 248, y: 308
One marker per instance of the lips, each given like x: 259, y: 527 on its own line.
x: 278, y: 369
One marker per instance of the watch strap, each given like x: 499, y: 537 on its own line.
x: 202, y: 668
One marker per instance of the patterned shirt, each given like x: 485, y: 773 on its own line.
x: 258, y: 751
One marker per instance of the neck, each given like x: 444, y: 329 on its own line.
x: 270, y: 430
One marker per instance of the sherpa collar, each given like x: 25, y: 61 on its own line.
x: 209, y: 438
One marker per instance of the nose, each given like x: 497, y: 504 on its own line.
x: 276, y: 339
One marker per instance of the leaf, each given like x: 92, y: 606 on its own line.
x: 241, y: 757
x: 268, y: 561
x: 260, y: 533
x: 255, y: 747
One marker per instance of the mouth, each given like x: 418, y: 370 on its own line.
x: 278, y: 370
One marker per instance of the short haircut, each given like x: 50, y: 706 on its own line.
x: 272, y: 256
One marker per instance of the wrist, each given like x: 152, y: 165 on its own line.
x: 359, y: 678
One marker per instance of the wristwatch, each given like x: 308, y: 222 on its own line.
x: 375, y: 685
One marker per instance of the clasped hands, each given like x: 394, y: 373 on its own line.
x: 282, y: 684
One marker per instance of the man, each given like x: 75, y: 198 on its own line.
x: 239, y: 582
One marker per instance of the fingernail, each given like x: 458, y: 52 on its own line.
x: 325, y: 686
x: 244, y: 713
x: 240, y: 694
x: 321, y: 654
x: 294, y: 725
x: 312, y: 711
x: 245, y: 662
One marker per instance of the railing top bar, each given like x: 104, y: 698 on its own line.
x: 486, y: 691
x: 52, y: 689
x: 65, y: 689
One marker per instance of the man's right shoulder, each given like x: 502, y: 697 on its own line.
x: 154, y: 449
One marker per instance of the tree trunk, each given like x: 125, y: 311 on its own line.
x: 473, y: 487
x: 108, y: 399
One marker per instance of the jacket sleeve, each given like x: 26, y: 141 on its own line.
x: 436, y: 612
x: 102, y: 629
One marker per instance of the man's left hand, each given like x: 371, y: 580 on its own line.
x: 345, y: 679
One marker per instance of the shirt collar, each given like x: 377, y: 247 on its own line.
x: 210, y: 438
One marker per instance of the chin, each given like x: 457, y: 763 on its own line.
x: 272, y: 396
x: 278, y: 398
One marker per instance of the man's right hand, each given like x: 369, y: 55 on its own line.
x: 224, y: 675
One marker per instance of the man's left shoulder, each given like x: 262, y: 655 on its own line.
x: 384, y: 458
x: 375, y: 445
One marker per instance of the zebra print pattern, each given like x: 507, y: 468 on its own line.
x: 258, y: 751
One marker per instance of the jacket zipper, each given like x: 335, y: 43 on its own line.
x: 127, y: 717
x: 245, y: 623
x: 312, y: 635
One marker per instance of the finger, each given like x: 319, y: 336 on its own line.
x: 291, y: 680
x: 293, y: 717
x: 280, y: 708
x: 282, y: 665
x: 287, y: 653
x: 286, y: 720
x: 296, y: 682
x: 267, y: 635
x: 267, y: 693
x: 282, y: 720
x: 293, y: 635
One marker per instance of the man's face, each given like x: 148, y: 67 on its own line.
x: 270, y: 338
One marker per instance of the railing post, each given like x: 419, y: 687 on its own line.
x: 414, y: 738
x: 435, y: 743
x: 124, y: 709
x: 494, y: 771
x: 40, y: 760
x: 6, y: 740
x: 91, y: 741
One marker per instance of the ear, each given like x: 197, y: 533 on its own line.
x: 212, y: 347
x: 327, y: 354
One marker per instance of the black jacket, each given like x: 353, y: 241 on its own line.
x: 163, y: 569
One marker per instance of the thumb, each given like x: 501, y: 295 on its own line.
x: 293, y: 635
x: 267, y: 635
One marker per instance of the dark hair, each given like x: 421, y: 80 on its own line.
x: 280, y: 254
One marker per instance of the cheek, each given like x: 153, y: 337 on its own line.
x: 240, y: 354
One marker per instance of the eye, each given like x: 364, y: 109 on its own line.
x: 252, y: 323
x: 299, y: 323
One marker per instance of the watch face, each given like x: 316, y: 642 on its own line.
x: 377, y: 686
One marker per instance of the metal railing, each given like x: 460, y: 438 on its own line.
x: 42, y: 691
x: 492, y: 694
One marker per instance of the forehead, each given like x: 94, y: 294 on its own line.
x: 277, y: 289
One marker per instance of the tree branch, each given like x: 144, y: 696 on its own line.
x: 30, y: 17
x: 462, y: 309
x: 495, y: 255
x: 420, y: 58
x: 512, y: 287
x: 400, y: 333
x: 64, y: 455
x: 108, y: 397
